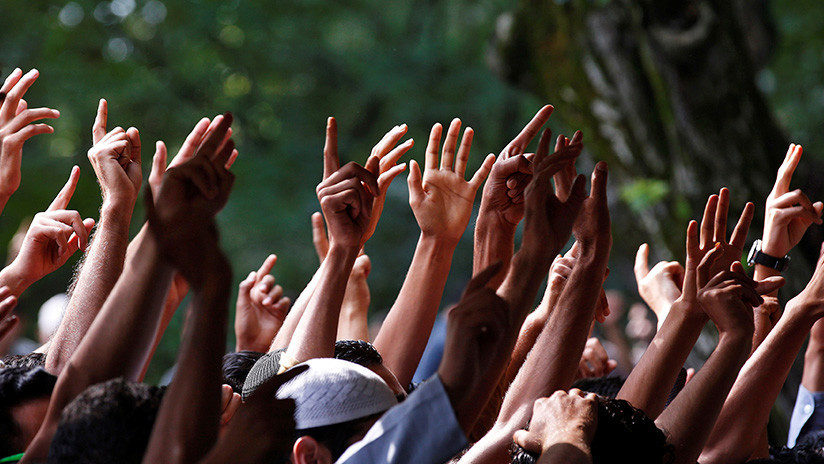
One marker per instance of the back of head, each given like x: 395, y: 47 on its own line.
x: 809, y: 450
x: 30, y: 360
x: 236, y: 367
x: 608, y: 387
x: 626, y: 434
x: 357, y: 351
x: 19, y: 385
x: 109, y: 422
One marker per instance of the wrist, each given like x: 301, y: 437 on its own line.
x: 491, y: 220
x: 437, y: 247
x: 11, y: 276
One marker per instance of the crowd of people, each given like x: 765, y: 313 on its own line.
x: 306, y: 383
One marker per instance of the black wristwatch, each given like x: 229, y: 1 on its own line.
x: 759, y: 257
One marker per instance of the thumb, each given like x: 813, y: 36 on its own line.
x: 641, y: 262
x: 527, y: 441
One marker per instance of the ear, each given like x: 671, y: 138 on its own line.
x: 307, y: 450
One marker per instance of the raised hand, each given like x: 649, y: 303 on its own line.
x: 346, y: 194
x: 442, y: 199
x: 714, y: 231
x: 503, y: 195
x: 186, y: 152
x: 261, y: 309
x: 549, y: 221
x: 659, y: 286
x: 54, y: 235
x: 115, y: 157
x: 388, y: 154
x: 595, y: 361
x: 811, y: 300
x: 16, y: 128
x: 562, y: 418
x: 190, y: 196
x: 788, y: 214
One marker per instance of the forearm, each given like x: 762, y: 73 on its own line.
x: 553, y: 361
x: 290, y: 324
x: 530, y: 330
x: 187, y: 424
x: 317, y: 329
x: 493, y: 448
x: 742, y: 417
x: 813, y: 377
x: 405, y: 331
x: 100, y: 271
x: 494, y: 241
x: 688, y: 421
x: 651, y: 381
x: 118, y: 342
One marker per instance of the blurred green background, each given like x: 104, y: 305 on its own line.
x: 282, y: 68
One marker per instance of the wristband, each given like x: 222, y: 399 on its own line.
x: 757, y: 256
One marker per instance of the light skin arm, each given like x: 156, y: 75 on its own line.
x: 442, y: 202
x: 260, y: 309
x: 650, y: 382
x: 16, y: 127
x: 660, y: 286
x: 345, y: 196
x: 387, y: 155
x: 115, y: 157
x: 502, y: 200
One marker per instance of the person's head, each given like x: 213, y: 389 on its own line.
x: 336, y: 402
x: 24, y: 398
x: 607, y: 387
x: 109, y: 422
x: 236, y: 367
x: 808, y: 450
x: 623, y: 434
x: 364, y: 353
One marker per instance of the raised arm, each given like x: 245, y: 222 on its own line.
x: 345, y: 196
x: 502, y: 200
x: 442, y: 202
x: 121, y: 338
x: 650, y: 382
x: 115, y: 158
x: 728, y: 298
x: 16, y: 127
x: 183, y: 223
x: 747, y: 409
x: 387, y: 154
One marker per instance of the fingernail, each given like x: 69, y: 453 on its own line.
x: 262, y: 287
x: 267, y: 301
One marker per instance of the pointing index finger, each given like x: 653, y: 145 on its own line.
x: 100, y: 121
x: 61, y: 201
x: 331, y: 160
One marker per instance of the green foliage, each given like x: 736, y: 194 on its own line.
x: 282, y: 68
x: 644, y: 193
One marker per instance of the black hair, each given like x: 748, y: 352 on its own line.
x: 338, y: 437
x: 608, y: 387
x: 17, y: 386
x: 808, y: 450
x: 30, y: 360
x: 236, y: 367
x: 623, y: 434
x: 109, y: 422
x: 357, y: 351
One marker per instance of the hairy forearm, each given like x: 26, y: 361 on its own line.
x: 100, y: 271
x: 188, y: 420
x: 813, y: 377
x: 762, y: 377
x: 566, y: 453
x: 650, y: 382
x: 688, y: 421
x: 118, y: 342
x: 405, y: 331
x: 494, y: 241
x: 316, y: 332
